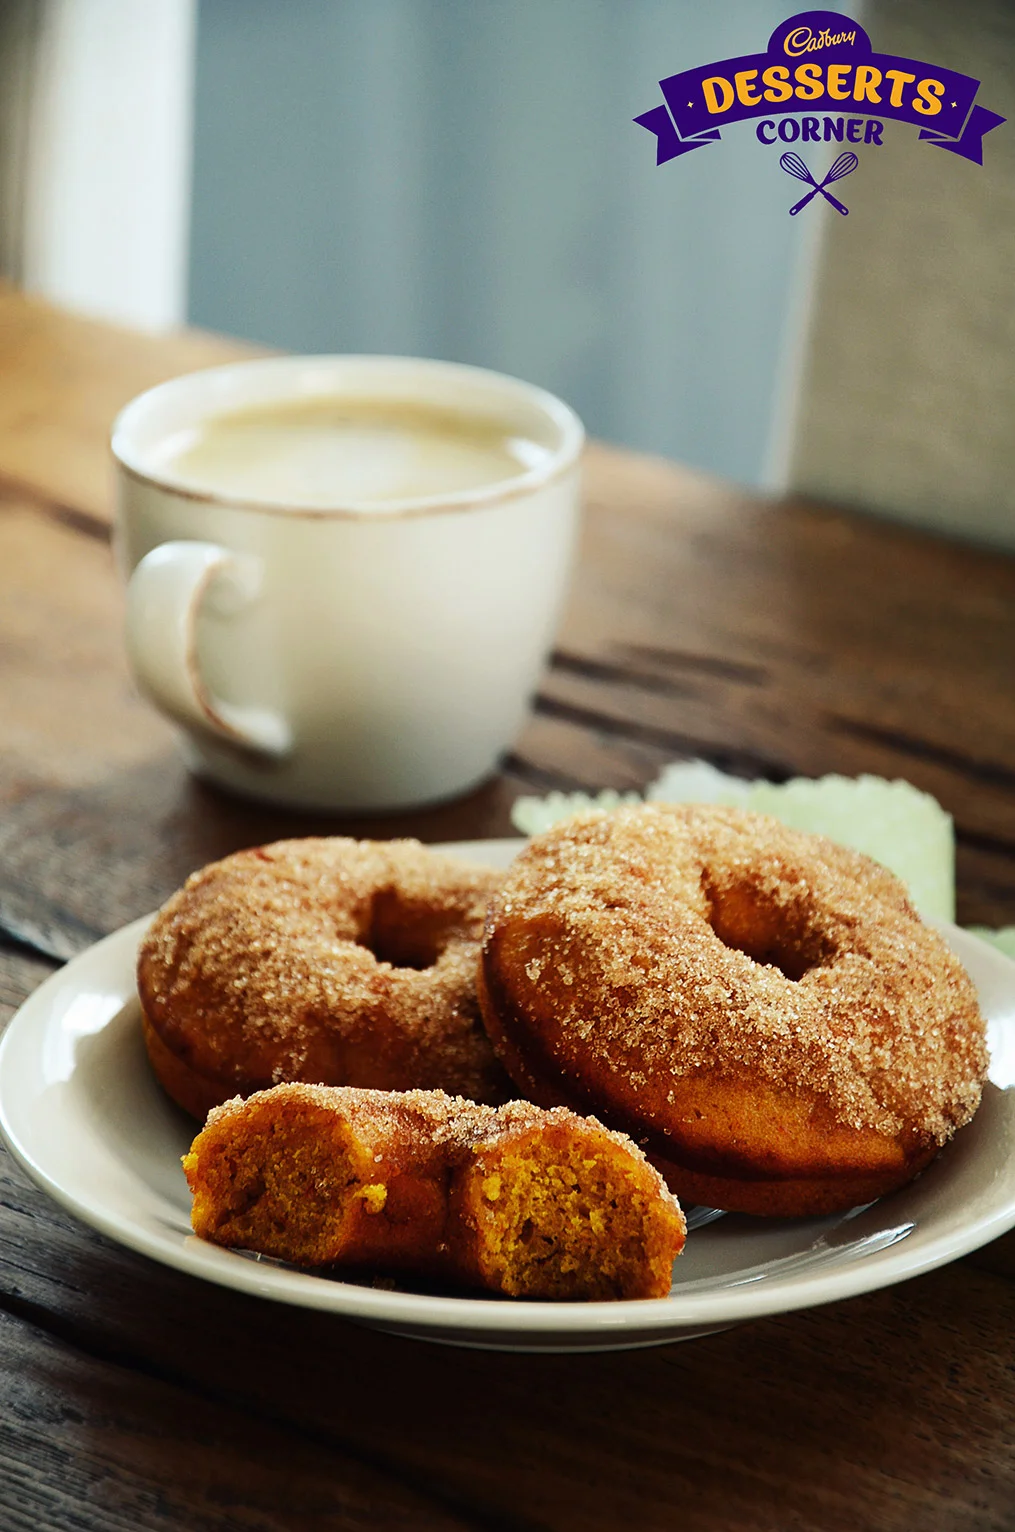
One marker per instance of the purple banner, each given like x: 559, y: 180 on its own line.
x: 819, y: 62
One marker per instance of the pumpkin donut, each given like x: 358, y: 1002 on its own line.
x: 512, y: 1199
x: 331, y: 961
x: 761, y: 1009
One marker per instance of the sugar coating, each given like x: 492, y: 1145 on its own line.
x: 451, y: 1122
x: 260, y: 969
x: 612, y: 922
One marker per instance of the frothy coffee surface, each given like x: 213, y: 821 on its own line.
x: 337, y: 451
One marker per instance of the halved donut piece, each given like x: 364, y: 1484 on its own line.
x: 512, y: 1199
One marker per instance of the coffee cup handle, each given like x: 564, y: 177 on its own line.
x: 165, y: 596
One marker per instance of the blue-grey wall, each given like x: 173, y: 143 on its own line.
x: 462, y: 178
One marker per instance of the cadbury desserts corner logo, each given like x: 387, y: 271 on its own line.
x: 819, y: 64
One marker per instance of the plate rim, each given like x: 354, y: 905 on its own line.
x: 495, y: 1316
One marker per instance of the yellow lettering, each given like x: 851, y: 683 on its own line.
x: 742, y: 81
x: 930, y: 91
x: 803, y: 40
x: 777, y: 80
x: 798, y: 42
x: 898, y: 79
x: 836, y: 74
x: 711, y: 90
x: 865, y: 84
x: 809, y: 75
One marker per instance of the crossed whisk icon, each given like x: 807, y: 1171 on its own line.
x: 843, y: 166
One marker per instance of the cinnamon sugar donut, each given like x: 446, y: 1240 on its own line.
x: 759, y: 1008
x: 513, y: 1199
x: 334, y: 961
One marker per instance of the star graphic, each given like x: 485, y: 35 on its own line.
x: 953, y: 103
x: 691, y: 103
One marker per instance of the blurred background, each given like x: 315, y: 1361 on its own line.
x: 462, y: 178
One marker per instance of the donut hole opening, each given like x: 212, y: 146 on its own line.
x: 777, y: 935
x: 402, y: 934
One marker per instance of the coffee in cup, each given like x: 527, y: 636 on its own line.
x: 332, y: 450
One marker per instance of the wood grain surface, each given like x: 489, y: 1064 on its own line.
x: 62, y: 381
x: 769, y: 638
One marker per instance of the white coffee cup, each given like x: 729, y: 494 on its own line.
x: 336, y: 656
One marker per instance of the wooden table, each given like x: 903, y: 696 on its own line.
x: 769, y: 638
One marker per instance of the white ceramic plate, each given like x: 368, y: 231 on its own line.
x: 82, y: 1113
